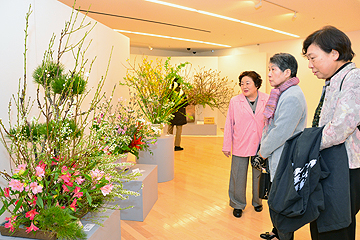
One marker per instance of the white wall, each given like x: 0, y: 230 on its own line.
x: 49, y: 17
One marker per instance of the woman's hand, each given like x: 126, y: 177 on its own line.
x: 226, y: 153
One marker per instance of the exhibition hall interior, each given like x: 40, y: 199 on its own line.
x: 130, y: 65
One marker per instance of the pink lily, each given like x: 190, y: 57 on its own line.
x: 6, y: 192
x: 65, y: 188
x: 10, y: 223
x: 80, y: 180
x: 35, y: 188
x: 66, y: 178
x: 21, y: 169
x: 32, y: 228
x: 73, y: 205
x: 106, y: 189
x: 77, y: 192
x: 31, y: 214
x: 40, y: 171
x: 16, y: 185
x: 96, y: 174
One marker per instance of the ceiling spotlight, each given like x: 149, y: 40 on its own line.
x: 257, y: 6
x: 294, y: 15
x: 150, y: 48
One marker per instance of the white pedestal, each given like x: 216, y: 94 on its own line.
x: 163, y: 157
x: 147, y: 186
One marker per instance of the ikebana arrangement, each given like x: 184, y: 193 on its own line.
x: 154, y: 85
x: 209, y: 88
x: 62, y: 153
x: 122, y: 128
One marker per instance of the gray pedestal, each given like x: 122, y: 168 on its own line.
x: 199, y: 129
x: 111, y: 229
x: 163, y: 157
x: 147, y: 186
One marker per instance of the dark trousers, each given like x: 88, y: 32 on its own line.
x: 347, y: 233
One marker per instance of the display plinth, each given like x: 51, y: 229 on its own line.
x: 111, y: 229
x: 162, y: 156
x: 147, y: 186
x: 199, y: 129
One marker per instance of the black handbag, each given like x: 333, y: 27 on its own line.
x: 264, y: 182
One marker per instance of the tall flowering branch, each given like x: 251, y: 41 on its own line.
x: 209, y: 88
x: 154, y: 89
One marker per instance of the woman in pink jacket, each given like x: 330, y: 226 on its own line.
x: 242, y: 135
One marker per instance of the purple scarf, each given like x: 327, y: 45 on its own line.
x: 275, y: 93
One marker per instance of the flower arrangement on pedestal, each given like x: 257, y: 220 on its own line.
x: 60, y: 169
x: 122, y: 129
x: 154, y: 88
x: 209, y: 88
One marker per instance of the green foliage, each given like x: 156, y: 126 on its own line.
x: 47, y: 72
x: 62, y: 130
x: 66, y: 84
x: 61, y: 222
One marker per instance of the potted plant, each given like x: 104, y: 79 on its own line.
x: 60, y: 170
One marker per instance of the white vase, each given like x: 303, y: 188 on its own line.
x: 199, y: 110
x: 160, y: 127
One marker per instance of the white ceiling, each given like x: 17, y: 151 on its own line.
x: 143, y: 16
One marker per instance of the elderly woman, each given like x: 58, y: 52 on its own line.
x: 242, y: 134
x: 285, y: 115
x: 329, y: 53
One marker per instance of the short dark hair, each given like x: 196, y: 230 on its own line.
x: 330, y: 38
x: 254, y: 76
x: 285, y: 61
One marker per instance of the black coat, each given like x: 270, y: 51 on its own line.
x: 180, y: 116
x: 310, y: 185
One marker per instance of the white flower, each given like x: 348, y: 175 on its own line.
x: 87, y: 74
x: 181, y: 92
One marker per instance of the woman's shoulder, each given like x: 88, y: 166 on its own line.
x: 263, y: 95
x: 239, y: 97
x: 294, y: 93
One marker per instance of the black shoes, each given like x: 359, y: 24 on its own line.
x: 178, y: 148
x: 237, y: 212
x: 267, y: 235
x: 258, y: 208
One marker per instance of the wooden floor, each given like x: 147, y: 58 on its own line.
x: 195, y: 204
